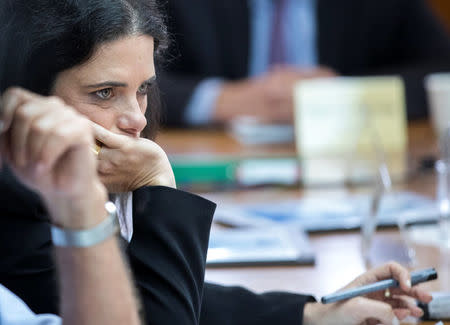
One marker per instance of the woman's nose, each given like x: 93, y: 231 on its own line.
x: 132, y: 122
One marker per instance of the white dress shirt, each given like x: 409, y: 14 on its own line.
x: 13, y: 311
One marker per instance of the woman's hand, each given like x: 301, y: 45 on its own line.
x: 126, y: 163
x: 47, y: 145
x: 373, y: 308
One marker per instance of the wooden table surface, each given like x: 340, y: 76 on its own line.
x: 338, y: 257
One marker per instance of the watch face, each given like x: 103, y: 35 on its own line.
x: 111, y: 208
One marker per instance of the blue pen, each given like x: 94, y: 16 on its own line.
x: 416, y: 277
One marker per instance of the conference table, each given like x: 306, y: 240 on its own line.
x: 338, y: 254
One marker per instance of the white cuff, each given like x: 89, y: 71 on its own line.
x: 201, y: 105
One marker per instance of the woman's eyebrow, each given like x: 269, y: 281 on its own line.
x: 107, y: 84
x: 117, y: 84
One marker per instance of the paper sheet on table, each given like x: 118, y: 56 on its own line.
x: 341, y: 122
x: 327, y: 213
x: 251, y: 131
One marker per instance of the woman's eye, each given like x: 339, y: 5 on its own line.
x: 143, y: 89
x: 104, y: 93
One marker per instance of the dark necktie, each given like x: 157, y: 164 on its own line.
x: 277, y: 44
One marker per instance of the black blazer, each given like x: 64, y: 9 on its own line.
x: 167, y: 257
x: 210, y: 38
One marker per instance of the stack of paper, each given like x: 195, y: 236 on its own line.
x: 259, y: 246
x: 251, y: 131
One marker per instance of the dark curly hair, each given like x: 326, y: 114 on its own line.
x: 41, y: 38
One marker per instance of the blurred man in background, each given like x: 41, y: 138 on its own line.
x: 241, y: 58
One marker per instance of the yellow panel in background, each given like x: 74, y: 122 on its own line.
x: 343, y: 124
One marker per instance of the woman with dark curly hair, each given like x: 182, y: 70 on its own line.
x: 96, y: 58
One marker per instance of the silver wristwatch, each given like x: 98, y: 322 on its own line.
x: 88, y: 237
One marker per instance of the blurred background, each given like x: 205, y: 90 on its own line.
x: 442, y: 10
x: 323, y: 162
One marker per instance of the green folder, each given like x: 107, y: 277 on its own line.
x: 188, y: 171
x: 241, y: 171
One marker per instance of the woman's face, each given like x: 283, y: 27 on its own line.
x: 111, y: 88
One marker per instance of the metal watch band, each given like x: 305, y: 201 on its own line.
x: 88, y: 237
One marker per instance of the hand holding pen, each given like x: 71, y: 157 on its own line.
x: 416, y: 278
x: 380, y: 307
